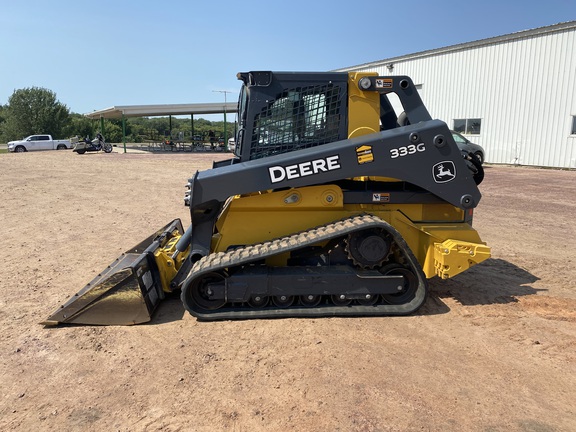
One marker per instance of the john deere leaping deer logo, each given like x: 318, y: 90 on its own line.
x: 444, y: 172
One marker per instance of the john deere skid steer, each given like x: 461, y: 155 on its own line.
x: 342, y: 199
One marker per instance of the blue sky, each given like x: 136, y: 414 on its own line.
x: 94, y: 55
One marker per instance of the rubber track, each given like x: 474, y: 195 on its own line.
x: 241, y: 256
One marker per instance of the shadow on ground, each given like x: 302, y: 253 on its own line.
x: 495, y: 281
x: 170, y: 309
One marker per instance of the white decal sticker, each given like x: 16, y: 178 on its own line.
x: 444, y: 172
x: 279, y: 173
x: 147, y: 280
x: 408, y: 150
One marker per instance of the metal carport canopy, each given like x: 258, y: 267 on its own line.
x: 119, y: 111
x: 124, y: 111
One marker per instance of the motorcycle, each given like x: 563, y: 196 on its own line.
x: 96, y: 144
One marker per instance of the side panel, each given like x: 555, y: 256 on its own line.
x: 257, y: 218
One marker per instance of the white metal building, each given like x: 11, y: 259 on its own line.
x: 514, y: 94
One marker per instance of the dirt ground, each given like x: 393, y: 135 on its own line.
x: 493, y: 349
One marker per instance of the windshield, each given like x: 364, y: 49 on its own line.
x: 459, y: 139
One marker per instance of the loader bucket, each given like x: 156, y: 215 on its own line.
x: 126, y: 293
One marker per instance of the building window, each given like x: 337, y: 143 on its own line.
x: 468, y: 126
x: 573, y: 125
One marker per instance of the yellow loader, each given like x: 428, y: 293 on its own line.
x: 343, y: 198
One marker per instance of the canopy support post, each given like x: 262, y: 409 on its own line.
x: 124, y: 131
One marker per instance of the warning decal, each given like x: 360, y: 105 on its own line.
x: 364, y: 154
x: 384, y: 83
x: 380, y: 197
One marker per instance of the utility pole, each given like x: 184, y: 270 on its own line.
x: 225, y: 122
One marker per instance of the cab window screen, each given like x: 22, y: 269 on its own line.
x: 298, y: 118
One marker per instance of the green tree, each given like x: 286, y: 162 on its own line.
x: 112, y: 131
x: 80, y: 126
x: 34, y: 110
x: 2, y: 115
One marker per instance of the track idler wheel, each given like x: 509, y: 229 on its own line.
x: 202, y: 291
x: 405, y: 292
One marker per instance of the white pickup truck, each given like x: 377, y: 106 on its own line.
x: 39, y: 142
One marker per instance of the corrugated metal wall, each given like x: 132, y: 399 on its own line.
x: 523, y: 89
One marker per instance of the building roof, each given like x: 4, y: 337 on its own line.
x: 565, y: 26
x: 163, y: 110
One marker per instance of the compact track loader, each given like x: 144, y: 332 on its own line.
x: 342, y: 199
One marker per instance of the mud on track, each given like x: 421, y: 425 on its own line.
x: 494, y: 349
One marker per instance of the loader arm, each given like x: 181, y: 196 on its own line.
x: 407, y: 153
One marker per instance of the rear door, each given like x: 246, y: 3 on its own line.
x: 45, y: 143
